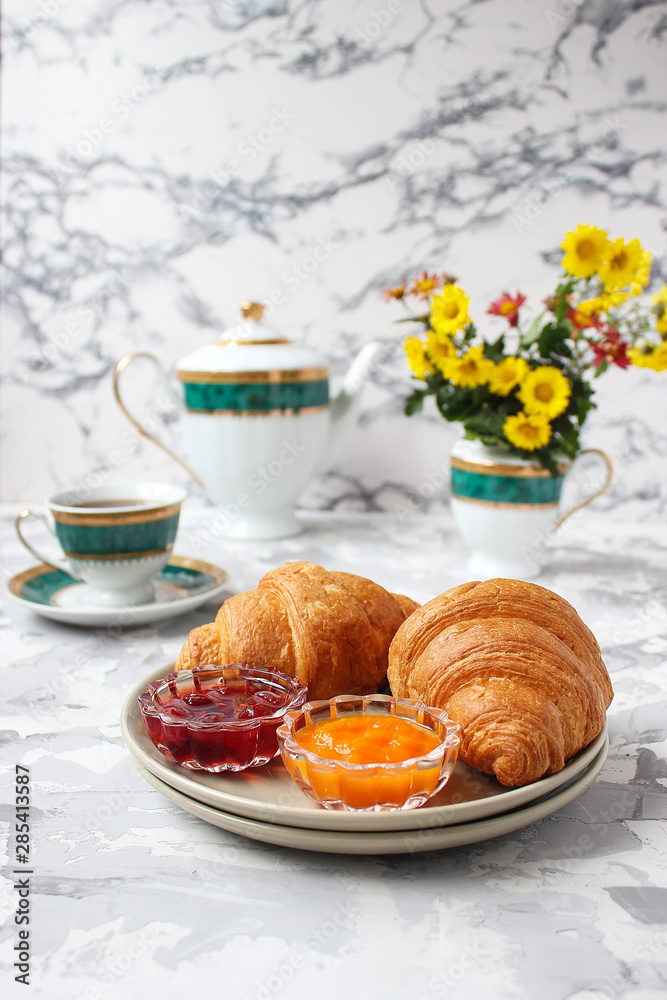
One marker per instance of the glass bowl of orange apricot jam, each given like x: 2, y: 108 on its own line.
x: 369, y: 753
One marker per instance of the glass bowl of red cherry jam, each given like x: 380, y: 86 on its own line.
x: 217, y: 718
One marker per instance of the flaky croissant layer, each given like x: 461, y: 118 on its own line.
x: 332, y: 630
x: 515, y: 666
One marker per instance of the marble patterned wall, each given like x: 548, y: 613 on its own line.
x: 164, y: 161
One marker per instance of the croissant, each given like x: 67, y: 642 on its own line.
x: 515, y: 666
x: 332, y: 630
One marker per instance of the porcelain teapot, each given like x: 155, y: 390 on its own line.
x: 258, y: 422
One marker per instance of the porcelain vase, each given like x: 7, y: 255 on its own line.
x: 507, y: 508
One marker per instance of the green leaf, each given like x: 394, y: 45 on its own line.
x: 415, y: 401
x: 488, y: 439
x: 552, y: 341
x: 434, y: 381
x: 457, y: 404
x: 581, y: 401
x: 486, y: 423
x: 566, y: 437
x: 491, y: 442
x: 533, y: 331
x: 546, y: 459
x: 495, y: 351
x: 561, y: 308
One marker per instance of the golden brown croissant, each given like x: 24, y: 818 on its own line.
x: 332, y: 630
x: 515, y: 666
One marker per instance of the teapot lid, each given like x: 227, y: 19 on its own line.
x: 253, y: 347
x: 253, y: 329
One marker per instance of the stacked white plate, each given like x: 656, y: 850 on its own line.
x: 264, y: 804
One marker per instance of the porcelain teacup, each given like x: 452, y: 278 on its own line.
x: 115, y: 538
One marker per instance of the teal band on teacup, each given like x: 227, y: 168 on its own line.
x: 506, y: 489
x: 209, y: 397
x: 110, y: 540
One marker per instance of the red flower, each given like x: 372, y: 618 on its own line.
x: 611, y: 349
x: 394, y: 293
x: 581, y: 321
x: 508, y: 307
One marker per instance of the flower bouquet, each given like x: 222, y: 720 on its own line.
x: 530, y: 390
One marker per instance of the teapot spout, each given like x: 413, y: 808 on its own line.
x: 344, y: 405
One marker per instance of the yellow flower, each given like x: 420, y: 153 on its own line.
x: 649, y: 356
x: 470, y: 370
x: 601, y: 303
x: 419, y: 363
x: 528, y: 430
x: 660, y: 309
x: 439, y: 349
x: 545, y: 391
x: 621, y: 262
x: 641, y: 278
x: 584, y: 250
x: 507, y: 375
x: 449, y: 310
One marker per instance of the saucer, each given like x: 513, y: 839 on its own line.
x: 182, y: 585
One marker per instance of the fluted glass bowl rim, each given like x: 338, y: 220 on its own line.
x: 288, y: 744
x: 288, y: 682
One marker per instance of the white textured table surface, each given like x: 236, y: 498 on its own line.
x: 132, y: 897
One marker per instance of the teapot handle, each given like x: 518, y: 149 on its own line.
x: 610, y: 475
x: 122, y: 366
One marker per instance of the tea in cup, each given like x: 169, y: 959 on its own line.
x: 115, y: 538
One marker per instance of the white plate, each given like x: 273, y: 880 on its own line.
x: 267, y: 794
x: 426, y: 838
x: 182, y: 585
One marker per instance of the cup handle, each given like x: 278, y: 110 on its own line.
x: 64, y: 566
x: 610, y: 475
x: 122, y: 366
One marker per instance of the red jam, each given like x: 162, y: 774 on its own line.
x: 219, y: 719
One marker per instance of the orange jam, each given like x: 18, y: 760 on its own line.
x: 367, y: 739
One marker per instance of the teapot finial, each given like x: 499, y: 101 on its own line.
x: 252, y: 310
